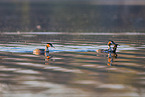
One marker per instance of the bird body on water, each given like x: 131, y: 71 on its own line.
x: 42, y: 51
x: 109, y: 48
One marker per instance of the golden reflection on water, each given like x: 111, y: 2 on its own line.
x: 72, y: 69
x: 73, y: 73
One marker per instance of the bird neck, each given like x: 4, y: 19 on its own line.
x: 46, y: 48
x: 109, y: 48
x: 114, y: 49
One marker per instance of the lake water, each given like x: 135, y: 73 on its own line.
x: 73, y: 69
x: 77, y: 28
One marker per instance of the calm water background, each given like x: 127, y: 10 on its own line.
x: 73, y: 69
x: 72, y: 16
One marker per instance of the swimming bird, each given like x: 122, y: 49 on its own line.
x: 42, y: 51
x: 112, y: 55
x: 109, y: 48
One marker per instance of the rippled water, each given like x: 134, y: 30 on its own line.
x: 73, y: 69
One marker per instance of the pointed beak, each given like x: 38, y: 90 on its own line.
x: 118, y: 44
x: 52, y: 46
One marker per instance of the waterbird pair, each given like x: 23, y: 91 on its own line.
x: 42, y: 51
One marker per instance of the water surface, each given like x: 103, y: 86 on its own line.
x: 73, y: 69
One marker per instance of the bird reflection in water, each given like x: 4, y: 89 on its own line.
x: 47, y: 56
x: 44, y: 52
x: 111, y: 52
x: 111, y: 57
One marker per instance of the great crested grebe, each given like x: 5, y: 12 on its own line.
x: 42, y: 51
x: 112, y: 55
x: 109, y: 48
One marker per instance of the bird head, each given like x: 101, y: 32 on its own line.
x: 49, y: 45
x: 109, y: 43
